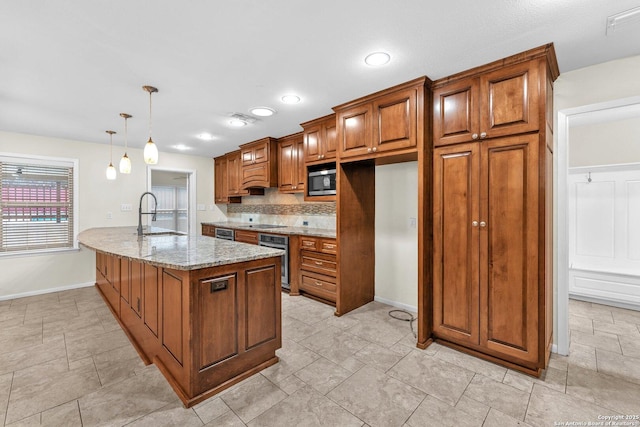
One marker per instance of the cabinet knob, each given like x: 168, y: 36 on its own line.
x: 374, y: 149
x: 474, y: 136
x: 319, y: 156
x: 483, y: 135
x: 368, y: 150
x: 322, y: 156
x: 474, y: 223
x: 483, y: 224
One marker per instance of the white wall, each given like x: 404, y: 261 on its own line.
x: 397, y: 241
x: 610, y: 143
x: 25, y: 275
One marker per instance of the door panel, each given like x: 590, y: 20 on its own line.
x: 508, y: 255
x: 330, y: 143
x: 218, y: 300
x: 355, y: 131
x: 396, y: 120
x: 511, y: 96
x: 455, y: 112
x: 261, y: 305
x: 455, y: 272
x: 150, y: 301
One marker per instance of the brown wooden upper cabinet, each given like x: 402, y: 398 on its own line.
x: 221, y: 185
x: 320, y: 140
x: 291, y: 166
x: 501, y: 102
x: 386, y: 122
x: 259, y: 163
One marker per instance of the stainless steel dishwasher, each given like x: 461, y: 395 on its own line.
x: 278, y: 242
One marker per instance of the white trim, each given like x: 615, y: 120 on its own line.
x: 46, y: 291
x: 191, y: 188
x: 396, y: 304
x: 561, y: 200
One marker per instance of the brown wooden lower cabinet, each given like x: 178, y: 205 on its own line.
x: 245, y: 236
x: 489, y: 264
x: 205, y: 329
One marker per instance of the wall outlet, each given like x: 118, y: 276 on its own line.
x: 109, y: 215
x: 201, y: 207
x: 212, y: 207
x: 125, y: 207
x: 412, y: 223
x: 305, y: 223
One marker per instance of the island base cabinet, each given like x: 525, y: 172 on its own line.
x: 204, y: 329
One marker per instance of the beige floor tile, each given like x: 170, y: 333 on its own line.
x: 36, y: 354
x: 547, y: 407
x: 502, y: 397
x: 600, y: 340
x: 69, y: 323
x: 291, y: 384
x: 591, y: 311
x: 378, y: 357
x: 211, y: 409
x: 45, y: 386
x: 171, y: 415
x: 433, y: 376
x: 117, y: 364
x: 496, y: 418
x: 43, y: 298
x: 293, y: 357
x: 628, y: 316
x: 338, y: 346
x: 551, y: 377
x: 604, y: 390
x: 487, y: 369
x: 377, y: 398
x: 630, y: 346
x: 9, y: 317
x: 559, y: 362
x: 579, y: 323
x: 229, y: 419
x: 378, y: 331
x: 79, y: 347
x: 45, y: 310
x: 311, y: 313
x: 20, y: 336
x: 252, y: 397
x: 295, y: 330
x: 343, y: 322
x: 306, y: 408
x: 32, y: 421
x: 583, y: 356
x: 472, y: 407
x: 323, y: 375
x: 125, y: 401
x: 67, y: 414
x: 617, y: 328
x: 617, y: 365
x: 432, y: 409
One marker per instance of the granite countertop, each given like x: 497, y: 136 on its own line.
x: 302, y: 231
x: 177, y: 251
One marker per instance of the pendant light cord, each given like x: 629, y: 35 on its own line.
x: 125, y: 136
x: 150, y: 115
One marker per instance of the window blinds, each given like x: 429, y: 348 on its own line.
x: 36, y: 206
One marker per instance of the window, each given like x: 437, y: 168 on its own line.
x: 37, y: 204
x: 173, y: 203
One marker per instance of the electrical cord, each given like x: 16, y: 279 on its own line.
x: 411, y: 319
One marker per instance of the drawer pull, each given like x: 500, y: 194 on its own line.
x: 308, y: 243
x: 318, y: 284
x: 318, y: 263
x: 329, y: 246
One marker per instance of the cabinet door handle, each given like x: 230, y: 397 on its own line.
x: 319, y: 156
x: 483, y: 135
x: 483, y: 224
x: 474, y: 223
x: 474, y: 136
x: 374, y: 149
x: 368, y: 150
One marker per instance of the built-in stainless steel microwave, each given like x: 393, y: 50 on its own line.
x: 322, y: 182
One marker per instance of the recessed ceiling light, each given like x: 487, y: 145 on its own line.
x: 290, y: 99
x: 181, y: 147
x: 262, y: 111
x: 205, y: 136
x: 376, y: 59
x: 236, y: 122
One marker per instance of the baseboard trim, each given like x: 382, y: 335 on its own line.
x: 604, y: 301
x: 46, y: 291
x: 407, y: 307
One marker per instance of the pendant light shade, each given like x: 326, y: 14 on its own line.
x: 125, y: 162
x: 111, y: 171
x: 150, y: 150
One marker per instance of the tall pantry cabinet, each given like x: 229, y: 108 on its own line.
x: 492, y: 210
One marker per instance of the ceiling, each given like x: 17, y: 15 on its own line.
x: 69, y: 67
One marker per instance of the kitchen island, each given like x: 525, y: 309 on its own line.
x: 206, y: 312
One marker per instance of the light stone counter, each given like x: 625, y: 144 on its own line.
x: 179, y: 252
x: 302, y: 231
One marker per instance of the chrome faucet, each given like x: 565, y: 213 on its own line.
x: 140, y: 213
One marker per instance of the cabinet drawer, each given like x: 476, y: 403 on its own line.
x: 309, y: 243
x: 208, y: 230
x: 329, y: 247
x: 318, y: 285
x: 246, y: 237
x: 319, y: 263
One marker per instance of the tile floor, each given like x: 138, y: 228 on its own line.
x: 65, y: 362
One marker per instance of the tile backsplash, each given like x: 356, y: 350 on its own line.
x: 283, y: 209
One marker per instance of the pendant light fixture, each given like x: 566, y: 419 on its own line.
x: 150, y: 150
x: 125, y: 162
x: 111, y: 171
